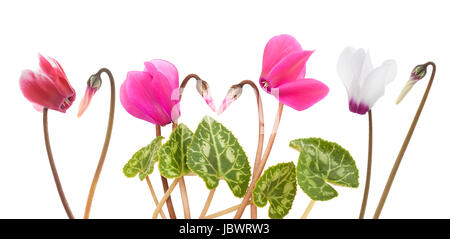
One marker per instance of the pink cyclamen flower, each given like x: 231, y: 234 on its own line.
x: 153, y: 94
x: 47, y: 87
x: 283, y: 74
x: 364, y: 83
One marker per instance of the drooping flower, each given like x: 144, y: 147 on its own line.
x: 364, y: 83
x: 93, y: 84
x: 48, y: 86
x: 283, y: 74
x: 153, y: 94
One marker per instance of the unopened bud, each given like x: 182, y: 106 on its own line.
x: 203, y: 89
x: 233, y: 94
x: 95, y: 82
x: 417, y: 74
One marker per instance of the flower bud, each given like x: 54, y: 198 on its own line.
x: 233, y: 93
x: 93, y: 84
x: 417, y: 74
x: 203, y: 89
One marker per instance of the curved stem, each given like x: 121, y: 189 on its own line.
x: 255, y: 178
x: 165, y: 184
x: 405, y: 145
x: 369, y: 169
x: 53, y: 166
x: 105, y: 143
x: 308, y: 209
x: 165, y: 197
x: 253, y: 208
x: 155, y: 199
x: 207, y: 203
x: 186, y: 80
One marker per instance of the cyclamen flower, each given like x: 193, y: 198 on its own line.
x: 47, y: 87
x: 364, y: 83
x: 283, y: 74
x: 153, y: 94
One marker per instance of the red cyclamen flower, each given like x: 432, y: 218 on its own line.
x: 47, y: 87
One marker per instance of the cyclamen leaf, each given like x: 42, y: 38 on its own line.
x: 173, y: 154
x: 215, y: 154
x: 321, y: 162
x: 143, y: 160
x: 278, y: 185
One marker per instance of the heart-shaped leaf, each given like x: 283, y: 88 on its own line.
x: 215, y: 154
x: 173, y: 154
x: 320, y: 162
x: 278, y: 185
x: 143, y: 160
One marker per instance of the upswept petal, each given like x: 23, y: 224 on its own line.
x: 55, y: 73
x: 288, y: 69
x: 376, y: 81
x: 130, y: 107
x: 276, y: 49
x: 139, y: 94
x: 301, y: 94
x: 349, y: 67
x: 40, y: 90
x: 164, y: 86
x: 168, y: 69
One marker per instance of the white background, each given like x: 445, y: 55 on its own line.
x: 223, y: 43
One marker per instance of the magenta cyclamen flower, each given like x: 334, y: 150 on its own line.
x: 153, y: 94
x: 283, y: 74
x: 47, y: 87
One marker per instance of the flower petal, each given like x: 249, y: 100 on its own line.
x: 288, y: 69
x: 301, y: 94
x: 349, y: 68
x: 164, y: 85
x: 166, y: 68
x: 138, y: 99
x: 376, y: 81
x: 55, y: 73
x: 40, y: 90
x: 89, y: 93
x: 131, y: 108
x: 276, y: 49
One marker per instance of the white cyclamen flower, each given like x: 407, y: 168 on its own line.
x: 364, y: 84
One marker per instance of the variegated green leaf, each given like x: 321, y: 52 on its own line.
x: 143, y: 160
x: 216, y: 154
x: 322, y: 162
x: 173, y: 154
x: 278, y: 185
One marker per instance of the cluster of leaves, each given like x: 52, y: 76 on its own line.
x: 213, y: 153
